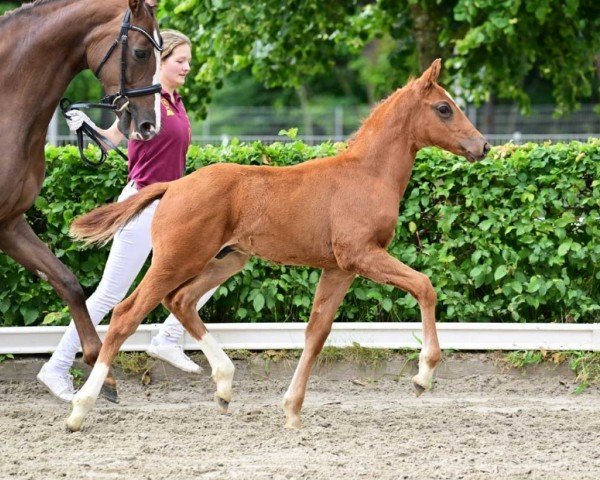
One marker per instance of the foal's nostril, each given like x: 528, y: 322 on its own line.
x: 486, y: 148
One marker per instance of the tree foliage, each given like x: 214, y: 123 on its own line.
x: 490, y: 46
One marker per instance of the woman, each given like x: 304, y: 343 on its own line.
x: 158, y: 160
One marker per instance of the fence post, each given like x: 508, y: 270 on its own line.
x: 52, y: 135
x: 339, y: 123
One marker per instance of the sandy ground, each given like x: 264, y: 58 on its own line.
x: 479, y: 422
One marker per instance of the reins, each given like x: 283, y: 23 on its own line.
x: 109, y: 102
x: 93, y: 134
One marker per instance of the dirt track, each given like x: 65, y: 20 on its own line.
x: 480, y: 422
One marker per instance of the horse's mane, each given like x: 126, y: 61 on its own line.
x: 379, y: 108
x: 25, y: 9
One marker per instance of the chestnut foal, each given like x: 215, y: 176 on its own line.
x: 336, y: 213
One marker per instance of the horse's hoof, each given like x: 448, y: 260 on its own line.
x: 110, y: 393
x: 419, y: 389
x: 293, y: 423
x: 222, y: 404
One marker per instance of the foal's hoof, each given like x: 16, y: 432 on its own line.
x: 222, y: 404
x: 293, y: 423
x: 419, y: 389
x: 110, y: 393
x: 72, y: 427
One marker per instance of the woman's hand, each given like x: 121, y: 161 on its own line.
x: 76, y: 118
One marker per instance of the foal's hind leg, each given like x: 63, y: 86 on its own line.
x: 330, y: 293
x: 126, y: 317
x: 182, y: 303
x: 378, y: 265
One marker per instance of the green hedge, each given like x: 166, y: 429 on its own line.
x: 513, y: 238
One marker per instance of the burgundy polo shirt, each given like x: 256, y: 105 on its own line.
x: 162, y: 158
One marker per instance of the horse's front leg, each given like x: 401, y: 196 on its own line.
x: 330, y: 293
x: 378, y: 265
x: 19, y: 242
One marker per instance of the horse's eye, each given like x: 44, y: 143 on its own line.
x: 444, y: 110
x: 141, y: 54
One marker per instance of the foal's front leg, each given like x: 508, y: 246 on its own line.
x: 378, y: 265
x: 126, y: 317
x: 330, y: 293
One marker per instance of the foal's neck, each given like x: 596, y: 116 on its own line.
x: 385, y: 145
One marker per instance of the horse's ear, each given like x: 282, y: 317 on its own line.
x: 137, y: 6
x: 431, y: 75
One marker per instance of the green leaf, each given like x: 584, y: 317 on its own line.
x: 387, y: 304
x: 259, y: 302
x: 564, y: 248
x: 360, y: 294
x: 500, y: 272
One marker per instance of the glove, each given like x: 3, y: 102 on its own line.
x: 76, y: 118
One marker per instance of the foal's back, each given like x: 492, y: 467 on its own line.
x: 283, y: 214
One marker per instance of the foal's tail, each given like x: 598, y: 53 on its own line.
x: 101, y: 224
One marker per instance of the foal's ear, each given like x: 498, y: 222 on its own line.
x: 431, y: 75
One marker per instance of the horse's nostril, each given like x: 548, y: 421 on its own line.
x: 147, y: 129
x: 147, y: 126
x: 486, y: 148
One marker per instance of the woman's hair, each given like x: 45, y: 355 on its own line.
x: 171, y: 40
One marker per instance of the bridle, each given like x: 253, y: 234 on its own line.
x: 109, y: 102
x: 124, y: 93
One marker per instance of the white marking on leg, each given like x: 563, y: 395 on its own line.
x: 222, y: 366
x: 425, y: 375
x: 292, y: 418
x: 292, y: 385
x: 84, y: 400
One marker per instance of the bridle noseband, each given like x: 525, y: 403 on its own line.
x: 109, y: 102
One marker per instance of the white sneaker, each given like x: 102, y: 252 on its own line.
x: 59, y: 385
x: 173, y: 354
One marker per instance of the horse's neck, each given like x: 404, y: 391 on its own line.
x: 42, y: 50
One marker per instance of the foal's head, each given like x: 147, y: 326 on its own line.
x: 439, y: 122
x: 139, y: 114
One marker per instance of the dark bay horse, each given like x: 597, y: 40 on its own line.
x: 337, y: 214
x: 43, y: 46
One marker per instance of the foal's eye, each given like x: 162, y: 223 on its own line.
x: 444, y: 110
x: 141, y: 54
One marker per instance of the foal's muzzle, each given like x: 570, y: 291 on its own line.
x: 475, y: 148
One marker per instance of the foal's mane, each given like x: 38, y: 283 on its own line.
x: 378, y: 111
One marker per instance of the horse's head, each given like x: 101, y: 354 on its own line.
x: 441, y: 122
x: 126, y: 71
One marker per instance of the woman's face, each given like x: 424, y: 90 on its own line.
x: 175, y: 67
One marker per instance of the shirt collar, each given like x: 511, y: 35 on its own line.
x: 176, y: 96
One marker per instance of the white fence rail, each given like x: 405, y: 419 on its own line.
x: 316, y: 124
x: 264, y: 336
